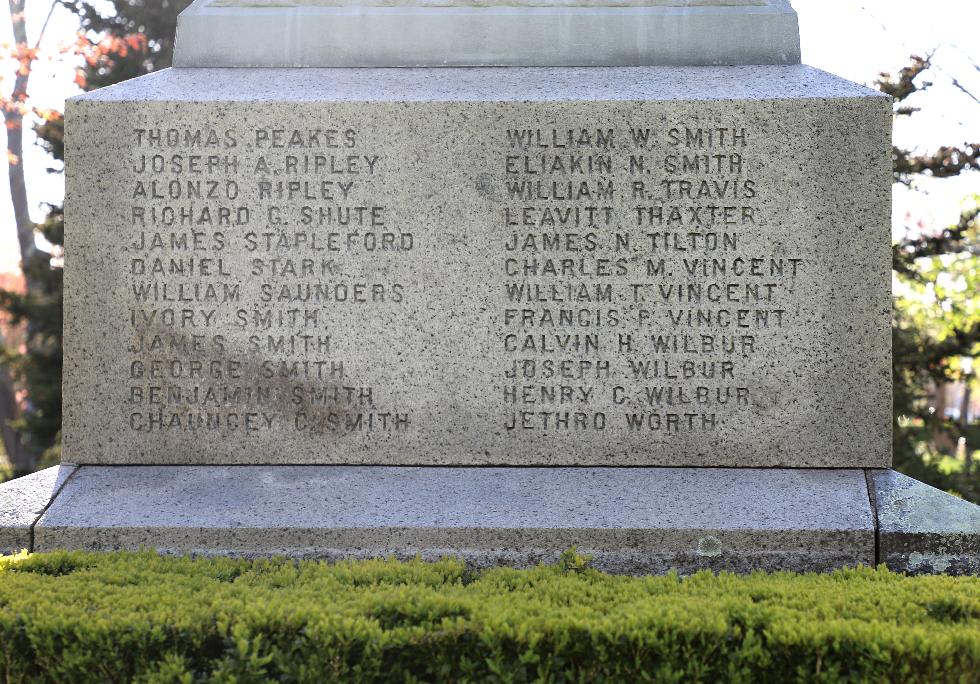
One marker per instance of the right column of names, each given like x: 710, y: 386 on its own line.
x: 640, y: 293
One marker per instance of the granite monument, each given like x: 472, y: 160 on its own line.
x: 487, y: 279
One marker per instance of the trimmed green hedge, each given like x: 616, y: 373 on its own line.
x: 80, y: 617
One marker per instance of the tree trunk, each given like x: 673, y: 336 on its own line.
x: 22, y: 456
x: 940, y: 402
x: 965, y: 405
x: 965, y: 422
x: 20, y: 459
x: 14, y: 118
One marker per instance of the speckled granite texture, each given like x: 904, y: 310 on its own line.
x: 632, y: 520
x: 923, y: 530
x: 22, y: 501
x: 634, y: 267
x: 486, y: 84
x: 638, y: 520
x: 380, y: 33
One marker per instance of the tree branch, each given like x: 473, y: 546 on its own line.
x: 953, y: 239
x: 945, y: 162
x: 964, y: 90
x: 14, y: 119
x: 903, y: 85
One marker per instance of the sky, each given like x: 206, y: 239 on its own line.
x: 855, y: 39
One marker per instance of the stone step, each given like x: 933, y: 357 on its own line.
x: 633, y: 520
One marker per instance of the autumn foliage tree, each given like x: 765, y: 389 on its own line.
x: 937, y: 322
x: 136, y: 39
x: 31, y: 306
x: 152, y: 21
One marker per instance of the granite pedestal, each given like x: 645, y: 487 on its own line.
x: 632, y: 520
x: 585, y: 298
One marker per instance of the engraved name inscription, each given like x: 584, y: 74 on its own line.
x: 637, y: 281
x: 259, y: 235
x: 636, y: 288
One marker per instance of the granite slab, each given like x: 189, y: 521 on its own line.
x: 632, y: 520
x: 923, y: 530
x: 601, y: 267
x: 23, y: 500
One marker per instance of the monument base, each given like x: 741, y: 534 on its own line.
x: 632, y: 520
